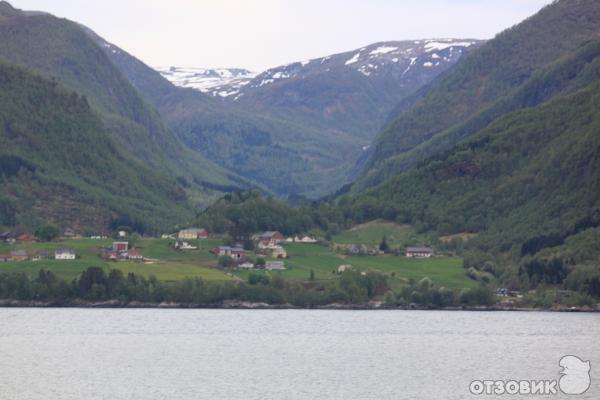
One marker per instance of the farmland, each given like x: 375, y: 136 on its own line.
x: 320, y: 260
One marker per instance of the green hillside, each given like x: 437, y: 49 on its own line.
x: 472, y: 95
x: 57, y: 163
x: 61, y: 50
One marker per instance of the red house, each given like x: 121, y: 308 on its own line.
x: 25, y: 238
x: 234, y: 252
x: 120, y: 246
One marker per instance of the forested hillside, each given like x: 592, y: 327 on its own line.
x: 60, y: 49
x: 473, y: 94
x: 58, y: 164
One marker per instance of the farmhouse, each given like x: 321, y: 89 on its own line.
x: 246, y: 265
x: 270, y: 238
x: 419, y: 252
x: 40, y: 255
x: 193, y: 233
x: 120, y: 246
x: 234, y: 252
x: 24, y: 238
x: 64, y: 254
x: 19, y: 255
x: 274, y: 265
x: 132, y: 254
x: 305, y: 239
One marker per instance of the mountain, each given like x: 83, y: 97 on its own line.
x: 58, y: 164
x: 467, y: 98
x: 61, y: 50
x: 156, y: 180
x: 519, y: 172
x: 297, y: 128
x: 222, y: 82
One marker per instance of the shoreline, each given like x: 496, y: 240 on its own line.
x: 240, y: 305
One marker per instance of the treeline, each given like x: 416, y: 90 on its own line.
x: 353, y: 288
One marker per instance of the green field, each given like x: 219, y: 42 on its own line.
x: 372, y: 232
x: 443, y: 271
x: 168, y: 264
x: 171, y: 265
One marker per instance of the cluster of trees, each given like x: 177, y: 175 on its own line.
x: 95, y: 284
x: 424, y: 292
x: 353, y: 287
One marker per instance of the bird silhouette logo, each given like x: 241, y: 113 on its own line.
x: 575, y: 375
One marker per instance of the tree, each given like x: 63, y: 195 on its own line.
x: 260, y: 263
x: 383, y: 246
x: 225, y: 261
x: 47, y: 233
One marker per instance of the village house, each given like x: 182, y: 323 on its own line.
x: 356, y: 249
x: 419, y: 252
x: 133, y: 254
x: 122, y: 233
x: 237, y: 253
x: 279, y: 252
x: 192, y: 233
x: 183, y: 245
x: 18, y: 255
x: 4, y: 236
x: 40, y: 255
x: 270, y: 238
x: 120, y: 246
x: 5, y: 257
x: 266, y: 245
x: 305, y: 239
x: 64, y: 254
x: 274, y: 265
x: 24, y: 238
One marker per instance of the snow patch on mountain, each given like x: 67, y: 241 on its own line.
x: 353, y: 59
x: 221, y: 82
x: 400, y: 58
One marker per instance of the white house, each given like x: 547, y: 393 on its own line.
x: 274, y: 265
x: 192, y: 233
x: 305, y: 239
x: 246, y: 265
x: 64, y: 254
x: 419, y: 252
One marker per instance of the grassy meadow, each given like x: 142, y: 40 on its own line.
x: 168, y: 264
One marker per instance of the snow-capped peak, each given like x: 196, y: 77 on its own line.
x: 222, y: 82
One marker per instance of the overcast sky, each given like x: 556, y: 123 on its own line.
x: 258, y: 34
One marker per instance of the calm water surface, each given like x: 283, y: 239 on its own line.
x: 77, y: 354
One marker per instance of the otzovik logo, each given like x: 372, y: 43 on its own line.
x: 574, y: 379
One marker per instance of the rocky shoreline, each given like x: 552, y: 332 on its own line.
x: 242, y: 305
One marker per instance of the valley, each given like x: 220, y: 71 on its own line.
x: 481, y: 156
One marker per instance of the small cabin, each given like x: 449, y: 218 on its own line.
x: 419, y: 252
x: 64, y: 254
x: 275, y: 265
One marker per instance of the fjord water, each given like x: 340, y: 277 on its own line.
x: 282, y: 354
